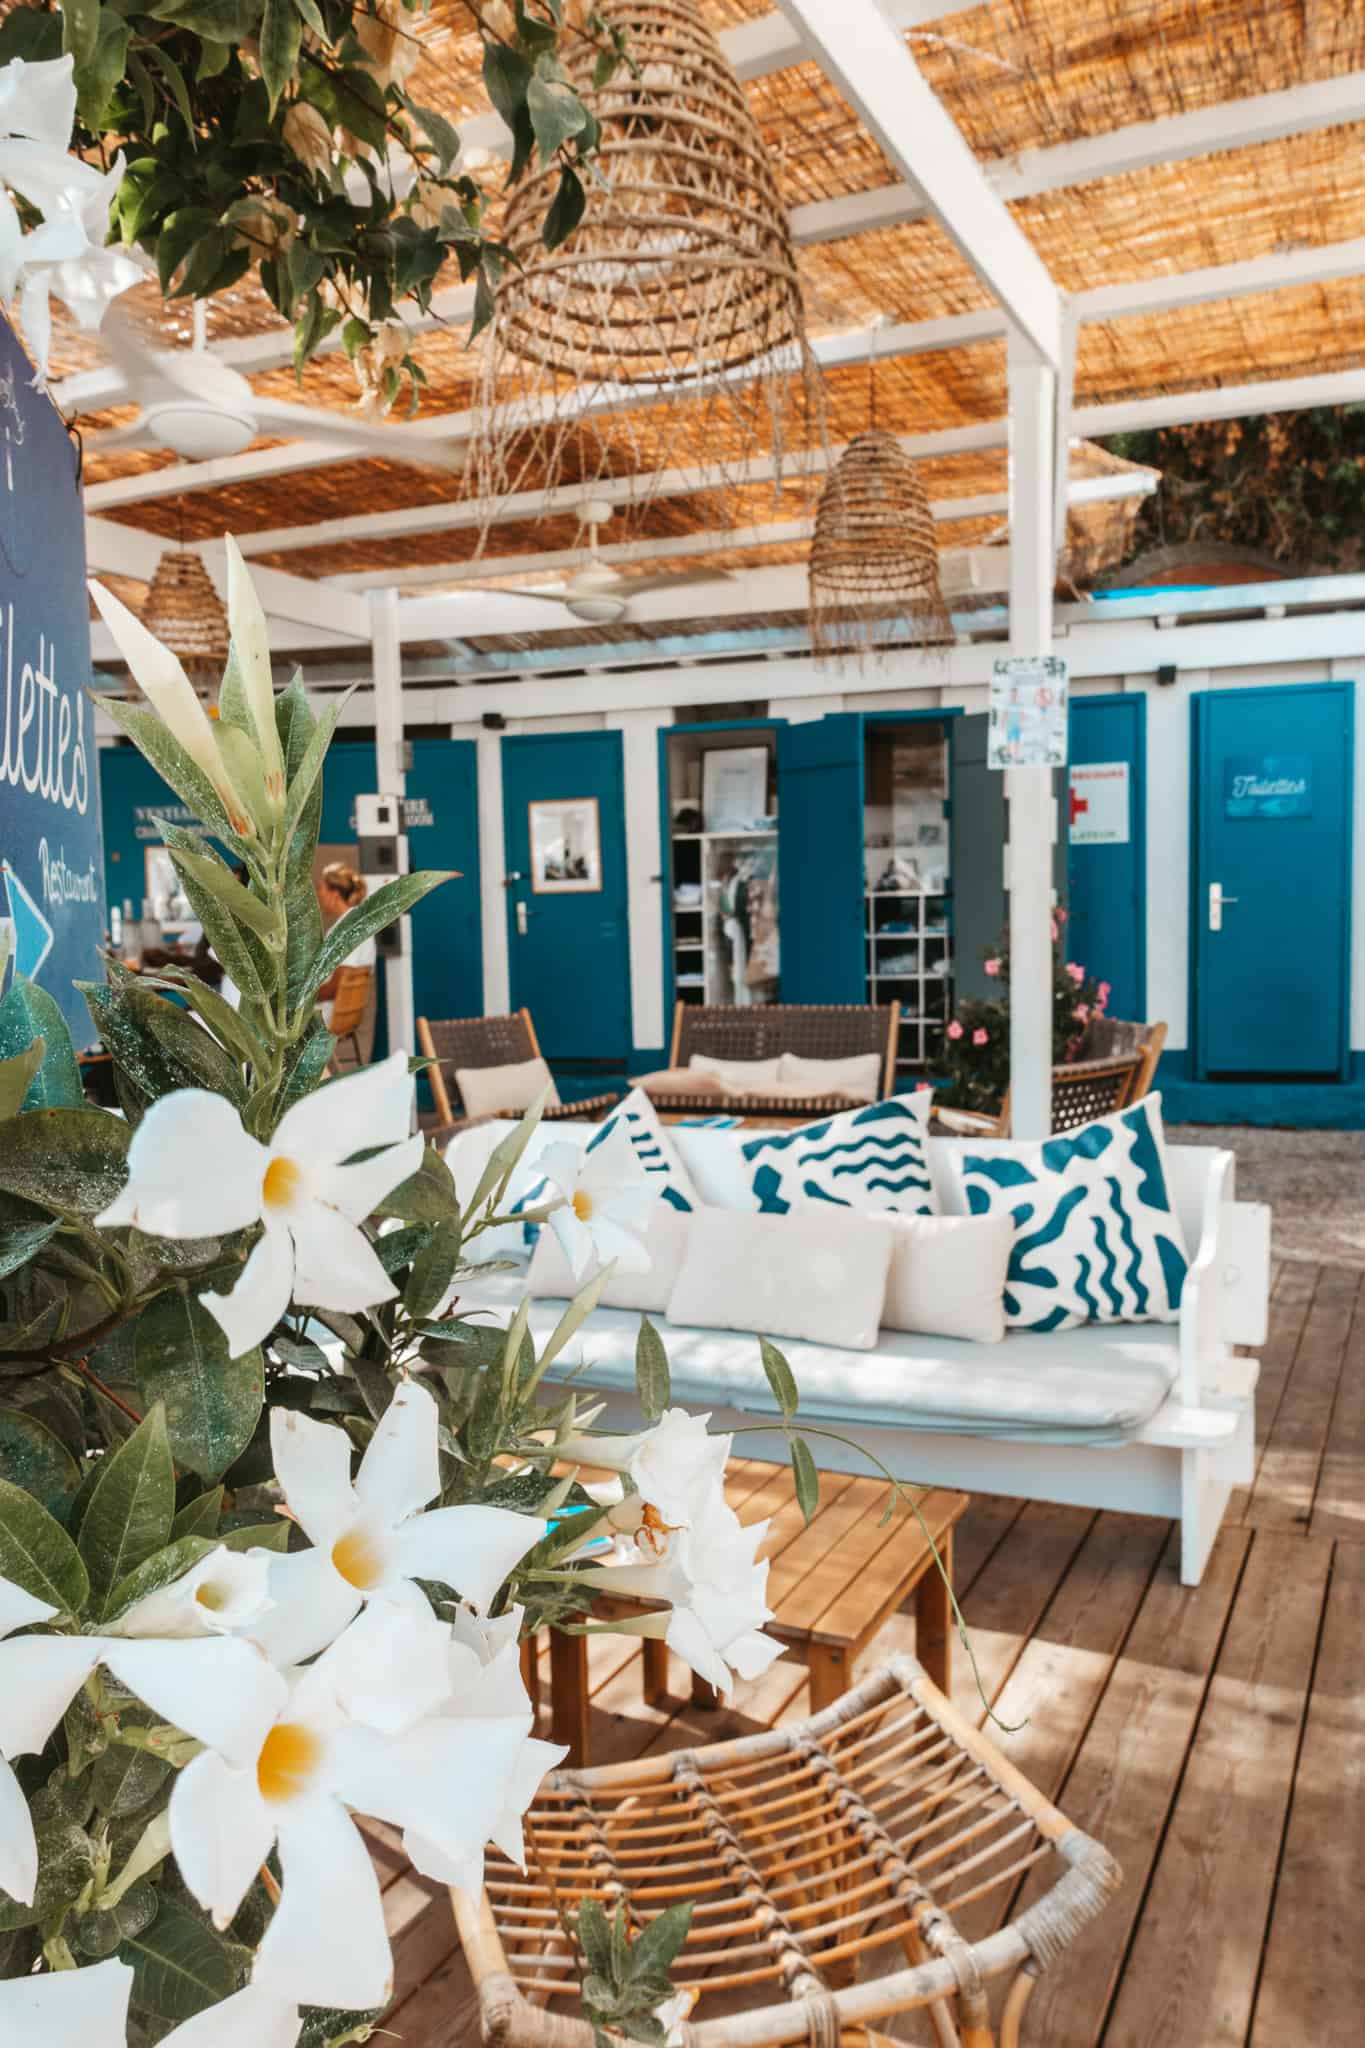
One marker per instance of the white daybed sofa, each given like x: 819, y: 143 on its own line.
x: 1142, y: 1418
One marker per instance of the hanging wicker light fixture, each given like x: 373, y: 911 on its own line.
x: 874, y: 552
x: 186, y: 614
x: 679, y: 284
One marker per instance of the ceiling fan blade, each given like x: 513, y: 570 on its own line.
x: 394, y: 444
x: 113, y: 440
x: 136, y: 362
x: 487, y: 590
x: 632, y: 586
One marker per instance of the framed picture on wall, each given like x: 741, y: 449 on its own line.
x: 734, y: 788
x: 566, y: 846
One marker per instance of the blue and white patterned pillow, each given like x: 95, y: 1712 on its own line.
x: 870, y: 1158
x: 653, y: 1148
x: 1095, y: 1237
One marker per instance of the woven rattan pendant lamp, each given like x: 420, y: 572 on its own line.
x: 874, y: 553
x: 679, y: 284
x: 186, y: 614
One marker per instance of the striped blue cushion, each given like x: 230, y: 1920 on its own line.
x: 871, y: 1158
x: 1096, y: 1239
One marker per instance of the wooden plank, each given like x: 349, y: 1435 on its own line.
x: 1006, y: 1604
x: 1290, y: 1301
x: 1191, y: 1975
x: 443, y: 2012
x: 1339, y: 1504
x: 986, y: 1524
x: 1283, y: 1494
x: 1125, y: 1775
x: 849, y: 1594
x: 1313, y: 1981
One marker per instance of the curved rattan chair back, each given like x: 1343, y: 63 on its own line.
x: 349, y: 1007
x: 813, y: 1031
x: 472, y: 1042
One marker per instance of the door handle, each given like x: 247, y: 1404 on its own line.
x: 522, y: 920
x: 512, y: 877
x: 1217, y: 902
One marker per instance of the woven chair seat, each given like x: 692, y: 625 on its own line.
x: 885, y: 1841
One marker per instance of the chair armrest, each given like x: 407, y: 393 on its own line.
x: 1225, y: 1300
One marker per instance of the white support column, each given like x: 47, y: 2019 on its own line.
x: 639, y: 732
x: 497, y: 982
x: 391, y: 780
x: 1032, y: 812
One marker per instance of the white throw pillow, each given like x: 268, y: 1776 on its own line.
x: 859, y: 1078
x: 871, y: 1159
x: 713, y: 1157
x: 493, y: 1091
x: 1096, y: 1238
x: 737, y: 1077
x: 817, y: 1276
x: 665, y: 1240
x: 947, y: 1276
x: 680, y: 1081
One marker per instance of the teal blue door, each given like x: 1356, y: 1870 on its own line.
x: 1270, y: 911
x: 568, y: 938
x: 820, y: 859
x: 1106, y: 853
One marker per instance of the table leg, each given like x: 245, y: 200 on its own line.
x: 656, y: 1671
x: 934, y: 1619
x: 831, y: 1673
x: 569, y: 1694
x: 704, y: 1694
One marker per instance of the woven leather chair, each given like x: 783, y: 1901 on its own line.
x: 1118, y: 1064
x: 762, y: 1031
x: 454, y: 1042
x: 349, y: 1005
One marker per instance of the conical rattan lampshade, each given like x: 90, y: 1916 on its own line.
x: 680, y: 279
x: 186, y: 614
x: 874, y: 553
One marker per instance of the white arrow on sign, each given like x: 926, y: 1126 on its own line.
x: 32, y: 934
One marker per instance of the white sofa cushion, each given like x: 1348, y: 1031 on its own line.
x: 859, y: 1077
x: 737, y: 1077
x: 665, y: 1239
x: 654, y: 1149
x: 947, y: 1276
x: 821, y: 1277
x: 492, y: 1091
x: 1096, y: 1238
x: 870, y: 1159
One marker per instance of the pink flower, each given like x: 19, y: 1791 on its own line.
x: 1059, y: 915
x: 1077, y: 973
x: 992, y: 967
x: 1081, y: 1014
x: 955, y: 1029
x: 1056, y: 931
x: 980, y: 1037
x: 1102, y: 999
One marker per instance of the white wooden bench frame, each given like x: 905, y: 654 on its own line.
x: 1185, y: 1463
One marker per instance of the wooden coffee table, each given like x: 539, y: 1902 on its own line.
x: 830, y: 1586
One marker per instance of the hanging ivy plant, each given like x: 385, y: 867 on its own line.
x: 280, y: 136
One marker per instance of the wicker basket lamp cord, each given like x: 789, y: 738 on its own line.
x: 882, y: 1821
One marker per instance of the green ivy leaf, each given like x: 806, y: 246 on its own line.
x: 37, y: 1554
x: 212, y: 1403
x: 443, y: 136
x: 506, y: 76
x: 98, y: 76
x: 131, y: 1509
x: 566, y: 209
x: 180, y: 1965
x: 652, y: 1380
x: 557, y: 115
x: 67, y: 1160
x: 34, y: 1457
x: 174, y: 79
x: 281, y: 38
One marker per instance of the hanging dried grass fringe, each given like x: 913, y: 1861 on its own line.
x: 874, y: 554
x: 668, y: 331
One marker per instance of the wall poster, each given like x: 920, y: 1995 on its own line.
x: 1028, y: 712
x: 566, y: 846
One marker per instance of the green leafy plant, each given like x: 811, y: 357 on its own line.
x: 281, y: 136
x: 627, y: 1980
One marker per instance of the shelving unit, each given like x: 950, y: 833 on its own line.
x: 908, y: 924
x: 922, y: 983
x: 702, y: 955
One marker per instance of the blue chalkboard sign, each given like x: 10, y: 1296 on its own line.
x: 51, y: 864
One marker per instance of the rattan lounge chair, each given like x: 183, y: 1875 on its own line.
x: 488, y: 1042
x: 762, y: 1031
x: 1117, y: 1067
x: 883, y: 1839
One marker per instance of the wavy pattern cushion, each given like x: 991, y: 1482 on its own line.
x: 868, y: 1159
x: 1096, y: 1239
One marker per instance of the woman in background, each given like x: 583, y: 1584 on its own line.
x: 340, y: 888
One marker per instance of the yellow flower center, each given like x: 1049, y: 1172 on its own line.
x: 582, y: 1205
x: 359, y: 1559
x: 215, y: 1598
x: 289, y: 1758
x: 283, y: 1179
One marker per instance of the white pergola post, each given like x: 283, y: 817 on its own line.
x: 391, y: 780
x: 1032, y: 813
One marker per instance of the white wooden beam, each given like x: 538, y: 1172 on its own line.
x: 336, y: 615
x: 866, y: 58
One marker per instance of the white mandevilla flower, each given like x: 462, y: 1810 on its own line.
x: 371, y: 1539
x: 352, y: 1733
x: 162, y: 680
x: 707, y: 1574
x: 674, y: 1466
x: 221, y: 1595
x: 89, y: 2009
x: 672, y: 2013
x: 486, y: 1685
x: 605, y: 1202
x: 83, y: 273
x: 194, y: 1171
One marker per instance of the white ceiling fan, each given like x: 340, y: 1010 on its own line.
x: 597, y: 592
x: 195, y: 406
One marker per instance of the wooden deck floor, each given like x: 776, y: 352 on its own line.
x: 1214, y: 1739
